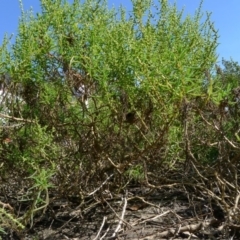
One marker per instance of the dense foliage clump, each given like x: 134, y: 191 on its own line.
x: 92, y: 93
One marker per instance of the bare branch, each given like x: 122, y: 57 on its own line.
x: 99, y: 232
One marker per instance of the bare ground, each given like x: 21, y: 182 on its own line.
x: 140, y: 213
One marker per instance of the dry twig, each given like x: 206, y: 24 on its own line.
x: 122, y: 217
x: 100, y: 185
x: 188, y: 228
x: 99, y: 232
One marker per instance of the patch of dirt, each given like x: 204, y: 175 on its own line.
x: 140, y: 213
